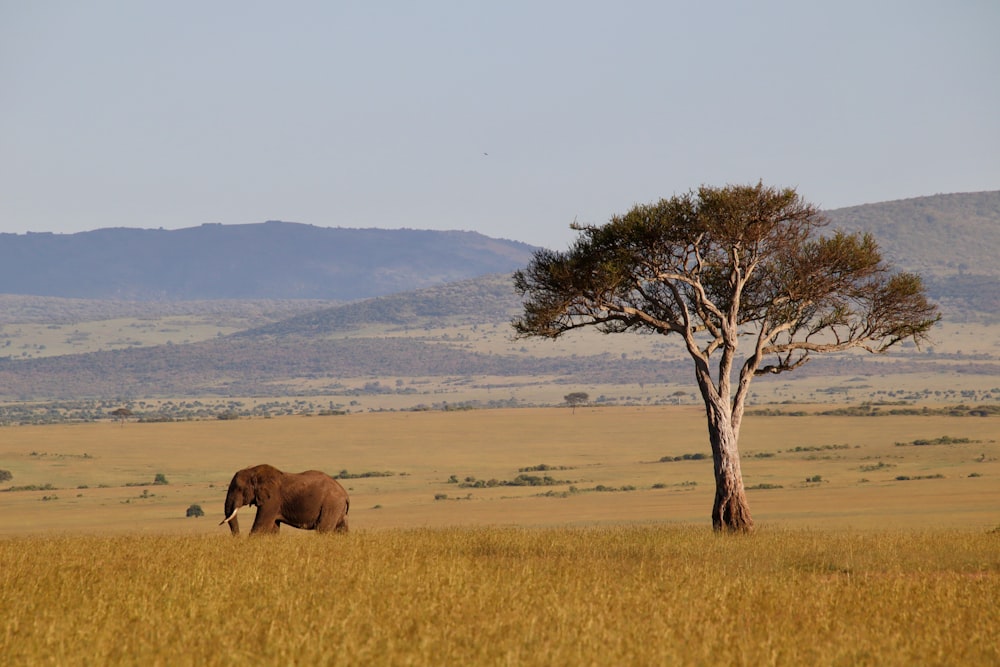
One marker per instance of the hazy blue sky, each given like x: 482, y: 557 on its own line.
x: 509, y: 118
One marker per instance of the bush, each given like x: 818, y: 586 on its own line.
x: 344, y: 474
x: 195, y: 510
x: 155, y: 419
x: 873, y: 467
x: 697, y: 456
x: 6, y: 475
x: 32, y: 487
x: 160, y: 479
x: 943, y: 440
x: 906, y: 478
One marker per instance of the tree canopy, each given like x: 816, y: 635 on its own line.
x: 717, y: 267
x: 576, y: 398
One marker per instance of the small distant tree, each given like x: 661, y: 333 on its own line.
x: 576, y: 398
x: 6, y: 475
x: 195, y: 510
x: 716, y: 268
x: 160, y: 479
x: 122, y: 414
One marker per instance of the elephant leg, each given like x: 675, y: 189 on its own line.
x: 332, y: 519
x: 265, y: 522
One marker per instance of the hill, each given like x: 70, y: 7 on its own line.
x: 448, y: 343
x: 936, y: 236
x: 951, y: 240
x: 271, y: 260
x: 432, y: 341
x: 403, y: 335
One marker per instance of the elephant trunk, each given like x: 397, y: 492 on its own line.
x: 231, y: 509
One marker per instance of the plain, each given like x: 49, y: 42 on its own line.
x: 627, y: 595
x: 518, y: 467
x: 507, y: 537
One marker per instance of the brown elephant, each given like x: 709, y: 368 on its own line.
x: 310, y: 500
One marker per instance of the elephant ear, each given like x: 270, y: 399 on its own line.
x: 265, y: 482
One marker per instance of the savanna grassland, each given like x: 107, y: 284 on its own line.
x: 626, y: 595
x: 502, y: 537
x: 451, y: 468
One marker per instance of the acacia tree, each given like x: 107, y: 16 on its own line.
x: 576, y: 398
x: 121, y: 414
x: 718, y: 267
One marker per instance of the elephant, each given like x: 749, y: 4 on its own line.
x: 311, y: 500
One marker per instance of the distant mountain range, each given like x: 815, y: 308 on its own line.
x: 414, y: 281
x: 270, y: 260
x: 936, y: 236
x: 953, y: 240
x: 939, y: 236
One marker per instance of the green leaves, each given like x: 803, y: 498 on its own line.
x: 722, y: 263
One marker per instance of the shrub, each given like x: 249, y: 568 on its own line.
x: 155, y: 419
x: 543, y: 467
x: 32, y: 487
x: 195, y: 510
x: 160, y: 479
x: 6, y: 475
x: 697, y: 456
x: 344, y: 474
x: 943, y: 440
x: 521, y: 480
x: 872, y: 467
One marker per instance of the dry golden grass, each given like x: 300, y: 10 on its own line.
x: 652, y: 595
x: 609, y: 447
x: 856, y: 569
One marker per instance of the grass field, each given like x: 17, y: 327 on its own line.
x: 97, y: 477
x: 654, y: 595
x: 877, y: 542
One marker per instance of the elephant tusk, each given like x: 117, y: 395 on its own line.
x: 230, y: 517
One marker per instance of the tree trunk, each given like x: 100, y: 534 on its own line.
x: 730, y: 512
